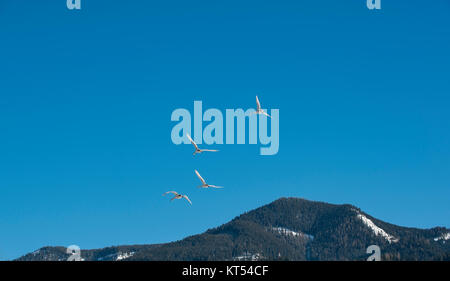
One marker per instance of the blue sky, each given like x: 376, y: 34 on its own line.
x: 86, y: 98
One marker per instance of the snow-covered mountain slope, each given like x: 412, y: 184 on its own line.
x: 377, y: 230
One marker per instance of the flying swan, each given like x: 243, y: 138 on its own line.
x: 197, y: 149
x: 178, y: 196
x: 204, y: 184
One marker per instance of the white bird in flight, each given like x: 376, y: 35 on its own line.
x: 259, y: 110
x: 197, y: 149
x: 178, y: 196
x: 204, y: 184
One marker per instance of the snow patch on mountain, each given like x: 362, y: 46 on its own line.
x: 288, y: 232
x: 285, y: 231
x: 116, y: 256
x: 377, y: 230
x: 247, y: 256
x: 124, y: 256
x: 445, y: 237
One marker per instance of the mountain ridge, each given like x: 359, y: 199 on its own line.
x: 288, y: 228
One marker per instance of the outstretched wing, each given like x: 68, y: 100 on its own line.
x: 187, y: 198
x: 265, y: 113
x: 212, y: 150
x: 192, y: 141
x: 215, y: 186
x: 174, y: 192
x: 200, y: 177
x: 258, y: 105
